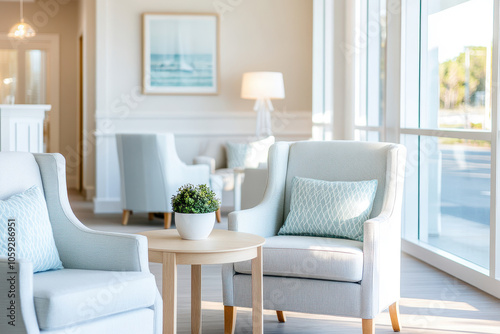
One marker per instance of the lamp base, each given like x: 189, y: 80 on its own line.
x: 263, y: 128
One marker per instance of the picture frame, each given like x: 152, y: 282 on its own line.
x: 180, y: 54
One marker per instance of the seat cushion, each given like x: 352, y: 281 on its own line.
x: 310, y: 257
x: 71, y: 296
x: 227, y: 175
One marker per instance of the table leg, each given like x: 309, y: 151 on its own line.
x: 169, y: 287
x: 237, y: 190
x: 257, y: 319
x: 196, y: 299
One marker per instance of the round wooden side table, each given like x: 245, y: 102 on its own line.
x: 167, y: 247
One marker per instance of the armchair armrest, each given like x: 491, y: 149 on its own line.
x: 96, y: 250
x: 17, y: 298
x: 205, y: 160
x: 381, y: 263
x: 80, y: 247
x: 266, y: 218
x: 196, y: 174
x: 382, y: 242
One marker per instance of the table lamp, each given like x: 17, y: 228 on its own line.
x: 262, y: 87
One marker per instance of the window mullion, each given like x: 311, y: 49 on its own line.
x: 495, y: 184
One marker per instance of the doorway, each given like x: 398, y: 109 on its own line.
x: 30, y: 75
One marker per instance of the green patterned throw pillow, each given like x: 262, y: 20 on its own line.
x: 329, y: 209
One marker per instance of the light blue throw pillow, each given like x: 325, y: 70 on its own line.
x: 249, y: 155
x: 237, y: 154
x: 25, y: 217
x: 329, y: 209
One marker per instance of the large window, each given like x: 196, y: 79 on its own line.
x: 446, y: 116
x: 449, y: 134
x: 370, y: 67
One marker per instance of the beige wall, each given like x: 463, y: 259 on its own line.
x: 60, y: 20
x: 257, y: 35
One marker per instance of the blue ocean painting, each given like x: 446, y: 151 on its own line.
x: 182, y: 70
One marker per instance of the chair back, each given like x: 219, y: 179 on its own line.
x: 340, y: 161
x: 143, y: 170
x: 19, y: 171
x: 215, y: 148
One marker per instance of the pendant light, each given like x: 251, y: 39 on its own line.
x: 21, y: 30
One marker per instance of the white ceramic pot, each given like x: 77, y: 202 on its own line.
x: 194, y: 226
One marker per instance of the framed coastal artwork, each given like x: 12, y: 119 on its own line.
x: 180, y: 53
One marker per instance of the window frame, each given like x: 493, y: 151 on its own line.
x: 485, y: 279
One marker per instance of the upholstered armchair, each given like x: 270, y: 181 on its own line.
x: 151, y: 172
x: 318, y: 275
x: 105, y: 286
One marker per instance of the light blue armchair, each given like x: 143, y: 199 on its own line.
x: 151, y: 172
x: 324, y: 275
x: 105, y: 286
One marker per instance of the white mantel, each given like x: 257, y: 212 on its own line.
x: 21, y: 127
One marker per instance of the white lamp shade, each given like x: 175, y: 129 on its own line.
x: 261, y: 85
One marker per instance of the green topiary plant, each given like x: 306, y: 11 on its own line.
x: 195, y: 199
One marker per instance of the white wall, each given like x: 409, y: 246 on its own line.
x: 257, y: 35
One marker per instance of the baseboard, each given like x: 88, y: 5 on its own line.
x: 107, y: 205
x: 88, y: 192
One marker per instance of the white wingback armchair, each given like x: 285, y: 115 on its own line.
x: 325, y: 275
x: 151, y: 172
x: 105, y: 286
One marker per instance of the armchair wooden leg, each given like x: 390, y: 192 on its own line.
x: 368, y: 326
x: 281, y: 316
x: 229, y: 319
x: 167, y: 220
x: 217, y: 215
x: 125, y: 216
x: 151, y: 215
x: 394, y: 313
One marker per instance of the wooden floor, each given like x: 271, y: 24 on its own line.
x: 432, y: 301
